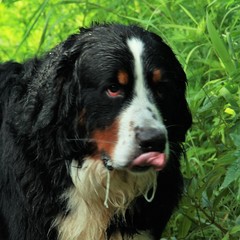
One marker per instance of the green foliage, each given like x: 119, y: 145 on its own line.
x: 205, y: 36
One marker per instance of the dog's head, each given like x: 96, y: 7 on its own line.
x: 124, y: 90
x: 133, y: 93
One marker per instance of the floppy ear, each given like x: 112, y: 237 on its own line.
x: 181, y: 118
x: 52, y: 89
x: 183, y: 115
x: 184, y: 120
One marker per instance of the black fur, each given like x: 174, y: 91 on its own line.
x: 40, y: 104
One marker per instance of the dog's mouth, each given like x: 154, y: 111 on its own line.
x: 142, y: 163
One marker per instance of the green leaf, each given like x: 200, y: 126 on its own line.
x: 35, y: 17
x: 235, y: 135
x: 226, y: 237
x: 184, y: 227
x: 235, y: 229
x: 232, y: 174
x: 219, y: 47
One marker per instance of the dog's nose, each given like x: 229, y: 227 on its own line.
x: 151, y: 139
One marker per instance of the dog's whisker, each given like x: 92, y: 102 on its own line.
x: 91, y: 140
x: 173, y: 125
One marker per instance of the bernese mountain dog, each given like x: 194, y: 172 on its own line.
x: 91, y: 137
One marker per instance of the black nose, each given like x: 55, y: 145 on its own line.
x: 151, y: 139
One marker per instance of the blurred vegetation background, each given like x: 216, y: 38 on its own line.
x: 205, y: 35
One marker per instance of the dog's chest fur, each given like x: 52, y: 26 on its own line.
x: 91, y: 207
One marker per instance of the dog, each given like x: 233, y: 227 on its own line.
x: 91, y: 138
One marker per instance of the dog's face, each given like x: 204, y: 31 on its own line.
x: 133, y: 97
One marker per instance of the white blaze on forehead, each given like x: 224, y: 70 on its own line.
x: 141, y: 101
x: 136, y: 47
x: 142, y: 94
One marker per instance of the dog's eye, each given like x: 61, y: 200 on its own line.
x: 114, y: 90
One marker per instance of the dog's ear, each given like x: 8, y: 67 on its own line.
x: 181, y: 118
x: 182, y: 115
x: 177, y: 114
x: 52, y: 89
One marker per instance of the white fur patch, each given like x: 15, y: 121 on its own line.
x: 136, y: 46
x: 87, y: 216
x: 141, y: 112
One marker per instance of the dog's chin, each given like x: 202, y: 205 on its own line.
x: 139, y: 169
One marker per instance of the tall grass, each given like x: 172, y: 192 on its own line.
x: 205, y: 36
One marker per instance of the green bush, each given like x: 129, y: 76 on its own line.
x: 206, y: 39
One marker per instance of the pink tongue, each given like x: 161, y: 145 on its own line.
x: 155, y: 159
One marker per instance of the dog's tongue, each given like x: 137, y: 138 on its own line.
x: 154, y: 159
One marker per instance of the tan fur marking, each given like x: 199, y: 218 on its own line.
x: 106, y: 139
x: 157, y: 75
x: 123, y: 77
